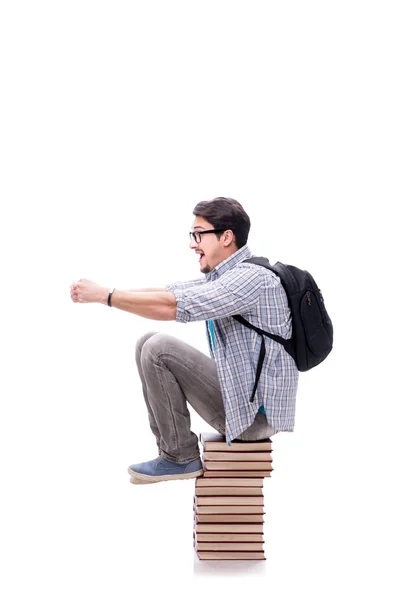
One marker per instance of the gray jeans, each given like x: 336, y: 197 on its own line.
x: 174, y: 373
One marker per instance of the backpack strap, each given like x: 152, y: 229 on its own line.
x: 287, y: 344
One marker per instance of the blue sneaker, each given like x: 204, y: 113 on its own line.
x: 161, y: 469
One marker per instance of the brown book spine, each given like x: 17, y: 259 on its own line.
x: 210, y: 465
x: 229, y: 537
x: 238, y: 456
x: 228, y: 491
x: 237, y: 474
x: 252, y: 546
x: 230, y: 500
x: 228, y: 528
x: 229, y: 482
x: 205, y: 555
x: 236, y: 447
x: 229, y: 510
x: 229, y: 518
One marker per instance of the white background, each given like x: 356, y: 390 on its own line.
x: 116, y: 119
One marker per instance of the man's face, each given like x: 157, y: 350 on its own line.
x: 210, y: 250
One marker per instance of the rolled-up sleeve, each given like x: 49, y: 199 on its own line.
x: 184, y: 284
x: 235, y: 292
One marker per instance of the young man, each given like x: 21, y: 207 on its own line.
x: 219, y: 388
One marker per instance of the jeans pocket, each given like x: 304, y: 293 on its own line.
x: 219, y: 424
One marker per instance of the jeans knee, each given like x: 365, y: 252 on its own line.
x: 160, y: 343
x: 141, y: 342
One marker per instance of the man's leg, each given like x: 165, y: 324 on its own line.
x: 138, y: 358
x: 260, y: 429
x: 174, y: 373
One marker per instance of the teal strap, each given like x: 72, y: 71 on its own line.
x: 211, y: 332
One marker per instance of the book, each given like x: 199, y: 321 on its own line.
x: 249, y: 518
x: 236, y: 474
x: 211, y: 465
x: 229, y: 510
x: 216, y: 441
x: 229, y: 537
x: 228, y: 491
x: 206, y: 555
x: 238, y: 456
x: 228, y: 505
x: 229, y: 500
x: 229, y: 546
x: 228, y: 528
x: 229, y: 482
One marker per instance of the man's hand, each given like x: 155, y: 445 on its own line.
x: 157, y: 305
x: 88, y: 291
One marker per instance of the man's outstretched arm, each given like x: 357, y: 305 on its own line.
x: 158, y: 305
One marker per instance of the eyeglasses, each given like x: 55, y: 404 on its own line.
x: 196, y: 235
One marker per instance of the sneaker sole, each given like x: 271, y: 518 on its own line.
x: 138, y: 481
x: 141, y: 478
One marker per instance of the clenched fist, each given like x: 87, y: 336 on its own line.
x: 88, y: 291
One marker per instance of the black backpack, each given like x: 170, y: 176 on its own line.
x: 312, y: 331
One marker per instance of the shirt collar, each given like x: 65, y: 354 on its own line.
x: 230, y: 262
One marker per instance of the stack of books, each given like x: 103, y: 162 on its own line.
x: 229, y: 501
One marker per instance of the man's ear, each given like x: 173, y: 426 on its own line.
x: 229, y: 237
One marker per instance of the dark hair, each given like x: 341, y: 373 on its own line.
x: 225, y: 213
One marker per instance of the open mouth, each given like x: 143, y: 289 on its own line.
x: 201, y: 256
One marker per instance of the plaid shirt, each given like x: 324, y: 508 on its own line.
x: 237, y: 288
